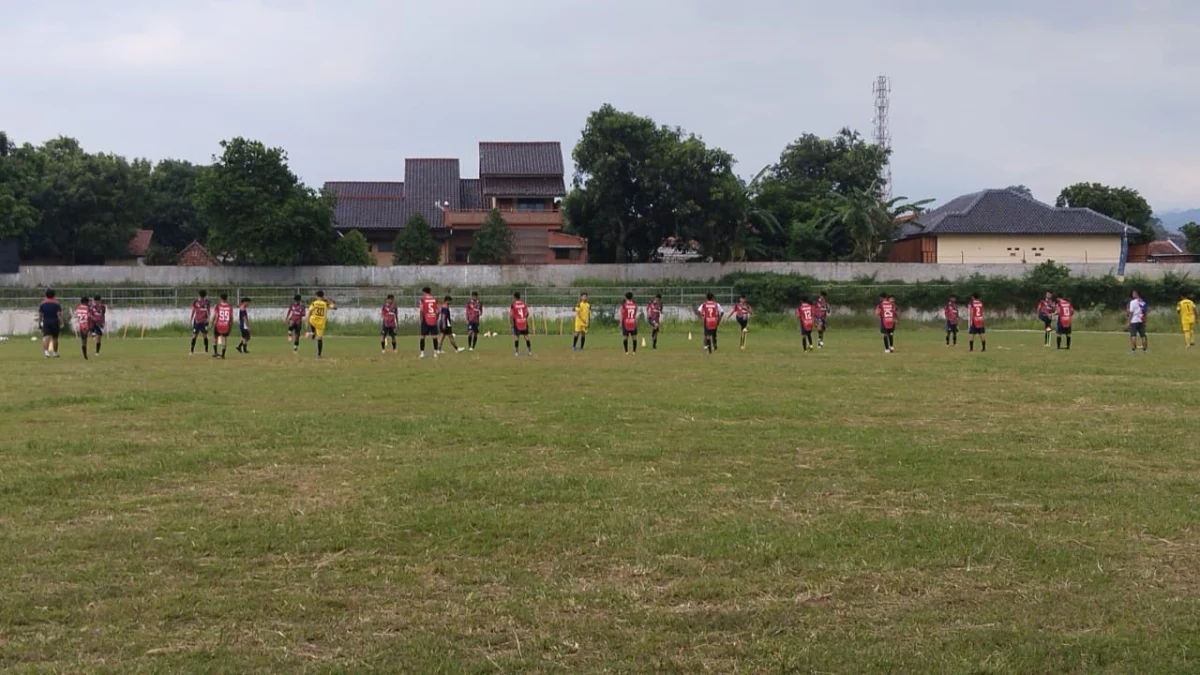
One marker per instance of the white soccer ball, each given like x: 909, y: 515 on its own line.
x: 33, y: 338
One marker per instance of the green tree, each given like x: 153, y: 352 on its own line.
x: 804, y: 187
x: 258, y: 211
x: 172, y: 212
x: 415, y: 244
x: 493, y: 242
x: 1021, y: 190
x: 1120, y: 203
x: 637, y: 184
x: 353, y: 250
x: 870, y: 222
x: 17, y: 215
x: 1192, y: 232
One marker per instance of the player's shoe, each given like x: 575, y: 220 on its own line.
x: 459, y: 350
x: 422, y: 355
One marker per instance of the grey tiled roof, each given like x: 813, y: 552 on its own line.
x: 520, y: 159
x: 524, y: 187
x: 387, y: 206
x: 471, y: 191
x: 1007, y: 212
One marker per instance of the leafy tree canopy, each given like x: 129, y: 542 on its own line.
x: 493, y: 242
x: 415, y: 244
x: 1119, y: 203
x: 353, y: 250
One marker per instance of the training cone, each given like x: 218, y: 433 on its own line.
x: 643, y: 342
x: 689, y: 336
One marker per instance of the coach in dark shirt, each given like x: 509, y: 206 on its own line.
x: 50, y: 319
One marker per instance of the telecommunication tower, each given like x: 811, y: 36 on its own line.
x: 883, y: 135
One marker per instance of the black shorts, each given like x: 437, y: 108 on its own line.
x: 742, y: 321
x: 654, y: 323
x: 1064, y: 330
x: 885, y: 330
x: 98, y: 331
x: 447, y: 331
x: 219, y: 333
x: 951, y: 326
x: 472, y: 326
x: 1045, y: 318
x: 977, y: 330
x: 387, y: 331
x: 245, y: 333
x: 806, y: 332
x: 51, y: 330
x: 628, y: 332
x: 821, y: 324
x: 520, y: 331
x: 200, y: 327
x: 1137, y: 330
x: 428, y: 331
x: 294, y: 328
x: 710, y: 332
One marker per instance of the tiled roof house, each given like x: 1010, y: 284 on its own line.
x: 524, y: 180
x: 1002, y: 226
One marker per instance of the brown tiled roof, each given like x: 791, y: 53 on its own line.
x: 1164, y: 247
x: 520, y: 159
x: 524, y: 187
x: 140, y: 243
x: 195, y: 255
x: 564, y: 240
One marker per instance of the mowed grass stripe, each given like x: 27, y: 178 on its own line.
x: 1023, y: 510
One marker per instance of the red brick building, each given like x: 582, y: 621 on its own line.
x: 523, y: 180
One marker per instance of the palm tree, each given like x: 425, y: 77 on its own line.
x: 870, y: 221
x: 755, y: 222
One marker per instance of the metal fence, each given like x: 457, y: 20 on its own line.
x: 282, y: 296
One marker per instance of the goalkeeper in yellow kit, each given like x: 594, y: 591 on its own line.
x: 1187, y: 318
x: 317, y: 313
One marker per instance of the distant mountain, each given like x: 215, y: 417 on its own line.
x: 1172, y: 220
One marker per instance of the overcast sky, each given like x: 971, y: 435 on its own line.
x: 1045, y: 92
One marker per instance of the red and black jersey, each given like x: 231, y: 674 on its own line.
x: 474, y: 311
x: 519, y: 313
x: 1045, y: 308
x: 224, y: 317
x: 887, y: 313
x: 975, y: 313
x: 390, y: 314
x: 83, y: 316
x: 1065, y: 312
x: 742, y: 310
x: 806, y: 313
x: 654, y: 311
x: 295, y: 313
x: 200, y: 309
x: 429, y: 310
x: 951, y: 312
x: 97, y: 314
x: 821, y: 309
x: 629, y: 312
x: 710, y: 313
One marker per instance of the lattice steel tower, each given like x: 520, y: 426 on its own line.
x: 883, y: 134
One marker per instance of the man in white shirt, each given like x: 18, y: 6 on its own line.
x: 1137, y: 322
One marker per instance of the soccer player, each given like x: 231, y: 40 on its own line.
x: 429, y: 311
x: 222, y: 324
x: 806, y: 316
x: 446, y: 326
x: 391, y: 316
x: 654, y: 318
x: 886, y: 311
x: 83, y: 319
x: 518, y: 314
x: 629, y: 322
x: 1045, y: 314
x: 50, y: 321
x: 951, y: 313
x: 1187, y: 318
x: 975, y: 324
x: 474, y: 313
x: 821, y: 312
x: 318, y: 313
x: 244, y: 325
x: 200, y: 310
x: 583, y: 319
x: 295, y: 317
x: 742, y: 312
x: 710, y: 313
x: 1064, y: 311
x: 1136, y: 314
x: 97, y: 318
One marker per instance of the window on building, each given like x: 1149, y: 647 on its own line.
x: 562, y: 254
x: 462, y: 254
x: 531, y: 205
x: 387, y: 247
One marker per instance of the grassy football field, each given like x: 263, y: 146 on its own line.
x: 847, y: 511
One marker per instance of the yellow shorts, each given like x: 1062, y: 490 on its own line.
x: 317, y: 331
x: 581, y: 327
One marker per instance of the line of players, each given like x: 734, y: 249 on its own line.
x: 90, y: 315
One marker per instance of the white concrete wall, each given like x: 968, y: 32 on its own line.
x: 977, y: 249
x: 480, y: 276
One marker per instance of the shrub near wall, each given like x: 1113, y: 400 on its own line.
x: 779, y: 293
